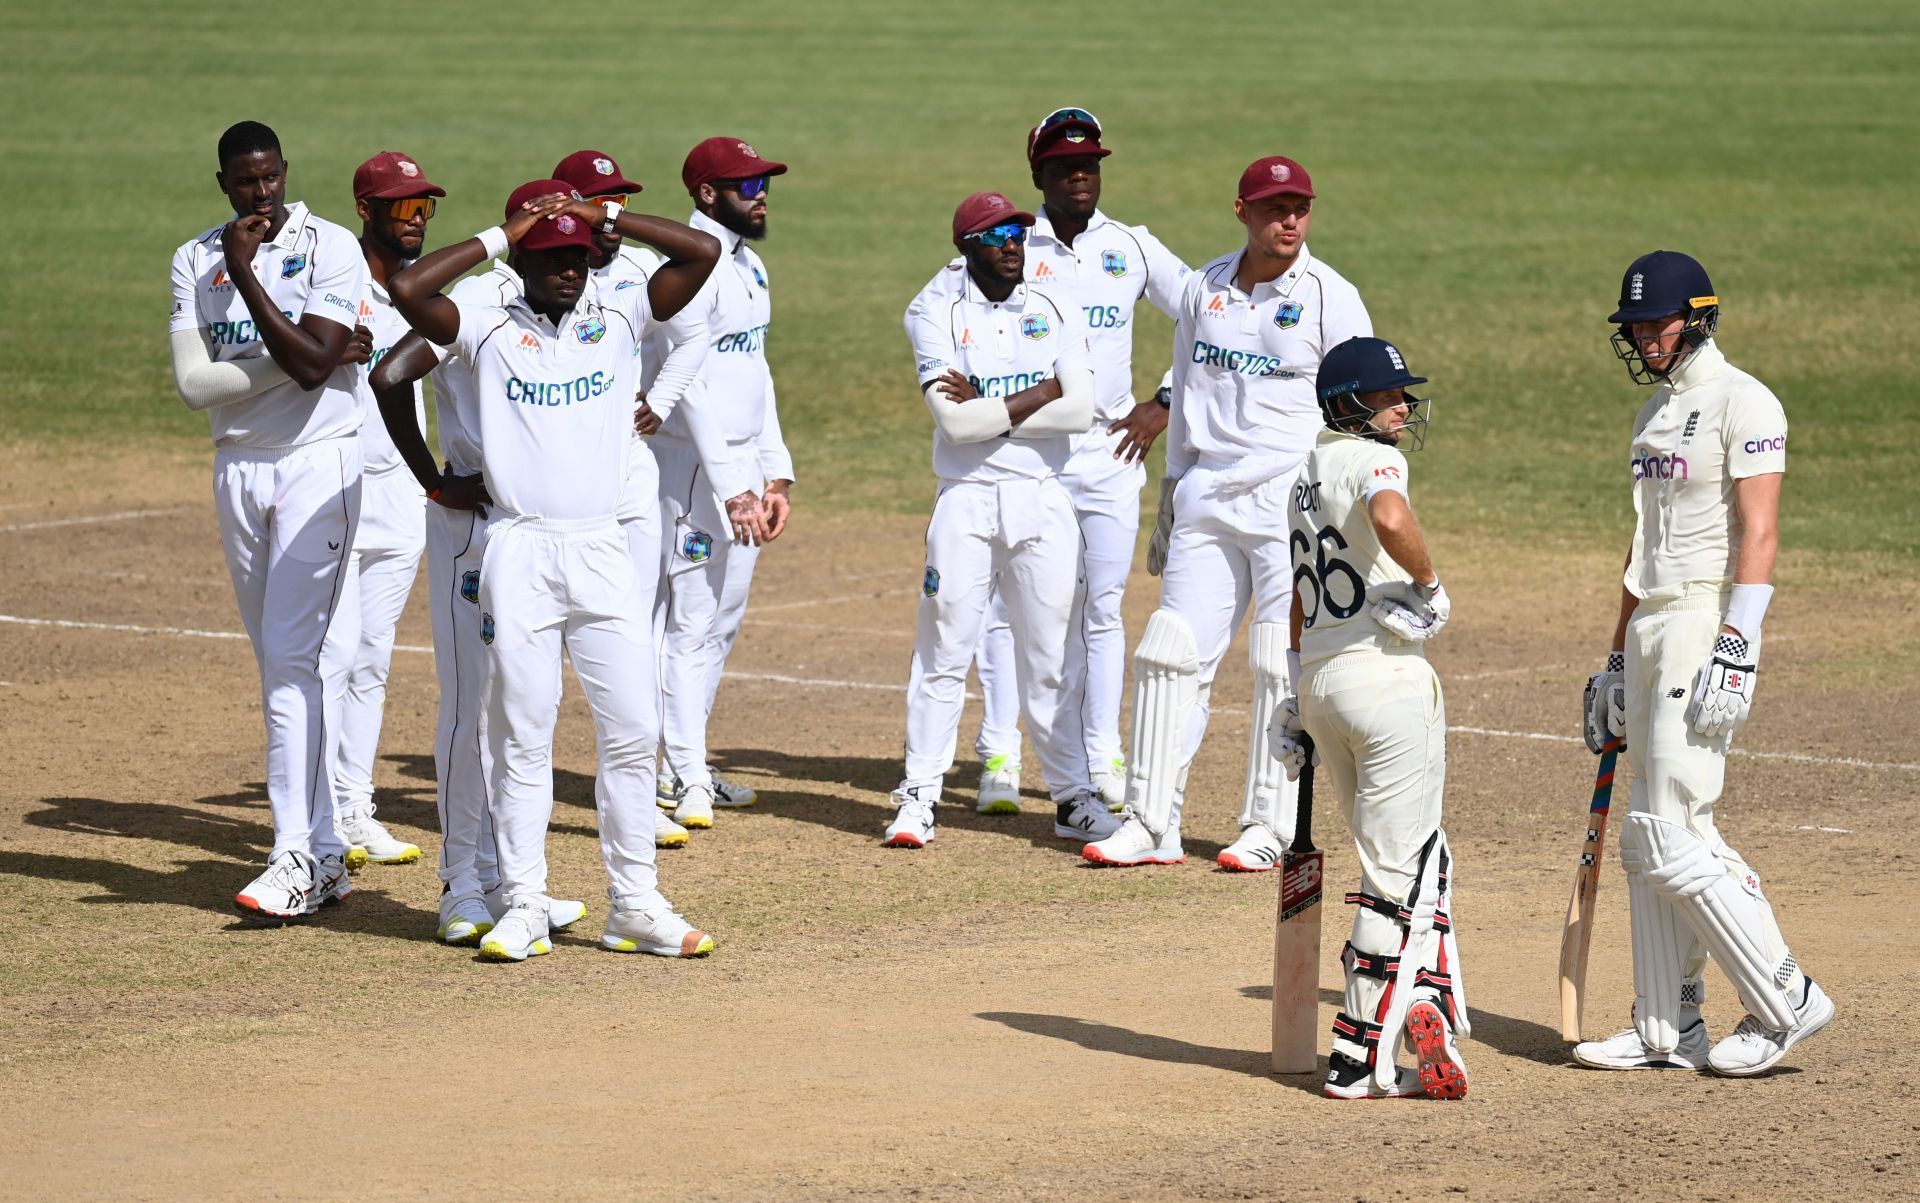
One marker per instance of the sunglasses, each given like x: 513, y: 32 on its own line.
x: 1000, y: 236
x: 751, y: 188
x: 1060, y: 117
x: 409, y: 207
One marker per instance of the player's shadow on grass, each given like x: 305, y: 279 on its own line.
x: 1510, y: 1037
x: 1125, y: 1042
x: 420, y: 808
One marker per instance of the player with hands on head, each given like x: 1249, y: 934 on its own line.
x: 1366, y: 600
x: 1708, y: 454
x: 1005, y: 371
x: 554, y: 378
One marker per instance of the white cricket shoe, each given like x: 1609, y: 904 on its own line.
x: 1443, y: 1075
x: 667, y: 791
x: 1256, y: 851
x: 1084, y: 817
x: 1111, y: 783
x: 669, y: 834
x: 912, y: 825
x: 656, y: 928
x: 331, y: 882
x: 696, y: 807
x: 283, y: 890
x: 464, y: 918
x: 999, y: 786
x: 1755, y: 1048
x: 1625, y: 1050
x: 561, y: 912
x: 520, y: 933
x: 369, y: 840
x: 1350, y: 1079
x: 1133, y: 844
x: 728, y: 796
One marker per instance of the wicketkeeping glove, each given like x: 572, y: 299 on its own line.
x: 1287, y: 739
x: 1723, y: 691
x: 1606, y: 705
x: 1162, y: 529
x: 1422, y: 620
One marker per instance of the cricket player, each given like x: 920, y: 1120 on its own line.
x: 554, y: 376
x: 1005, y: 370
x: 1708, y: 453
x: 1105, y: 269
x: 718, y: 511
x: 394, y: 200
x: 1251, y: 330
x: 1365, y: 602
x: 266, y: 341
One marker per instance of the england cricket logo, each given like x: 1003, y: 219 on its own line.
x: 1637, y: 287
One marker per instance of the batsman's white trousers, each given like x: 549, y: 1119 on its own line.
x: 741, y: 560
x: 386, y: 557
x: 1021, y: 534
x: 696, y: 546
x: 548, y: 585
x: 456, y: 543
x: 287, y: 520
x: 1106, y: 503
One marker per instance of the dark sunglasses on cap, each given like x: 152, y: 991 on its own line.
x: 407, y: 208
x: 752, y: 188
x: 1000, y: 236
x: 1060, y: 117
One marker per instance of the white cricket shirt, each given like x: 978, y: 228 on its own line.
x: 311, y: 267
x: 1706, y: 427
x: 1339, y: 567
x: 454, y: 402
x: 377, y: 452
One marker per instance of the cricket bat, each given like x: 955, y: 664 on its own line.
x: 1296, y: 942
x: 1577, y: 936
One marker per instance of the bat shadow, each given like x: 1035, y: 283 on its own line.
x: 1146, y: 1046
x: 1505, y: 1034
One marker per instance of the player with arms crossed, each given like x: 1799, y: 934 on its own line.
x: 554, y: 371
x: 1250, y: 334
x: 266, y: 340
x: 1366, y: 599
x: 1004, y: 369
x: 1708, y: 454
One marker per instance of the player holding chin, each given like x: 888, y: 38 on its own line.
x: 1366, y: 599
x: 1708, y: 454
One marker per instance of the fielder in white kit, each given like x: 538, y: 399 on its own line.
x: 1708, y: 455
x: 265, y: 339
x: 1005, y: 370
x: 1251, y: 331
x: 1366, y: 601
x: 1106, y: 269
x: 555, y: 375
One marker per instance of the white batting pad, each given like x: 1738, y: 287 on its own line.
x: 1166, y: 685
x: 1271, y: 798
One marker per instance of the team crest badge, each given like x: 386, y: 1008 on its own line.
x: 565, y: 223
x: 1035, y: 326
x: 603, y: 165
x: 759, y: 277
x: 930, y: 583
x: 1281, y: 173
x: 294, y: 265
x: 1114, y: 263
x: 590, y: 331
x: 697, y: 546
x: 470, y: 586
x: 626, y: 284
x: 486, y: 628
x: 1288, y: 315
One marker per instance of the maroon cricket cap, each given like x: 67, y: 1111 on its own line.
x: 985, y: 210
x: 725, y: 159
x: 1064, y: 132
x: 391, y: 175
x: 593, y: 173
x: 1273, y: 176
x: 552, y: 233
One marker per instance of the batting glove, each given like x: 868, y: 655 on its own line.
x: 1420, y: 621
x: 1723, y: 691
x: 1287, y: 739
x: 1606, y: 704
x: 1162, y: 529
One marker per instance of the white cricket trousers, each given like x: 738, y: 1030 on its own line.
x: 1106, y: 504
x: 1021, y: 534
x: 456, y: 542
x: 696, y: 546
x: 548, y: 585
x: 741, y: 561
x: 287, y: 519
x: 386, y: 557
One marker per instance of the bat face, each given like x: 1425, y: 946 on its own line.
x: 1300, y: 874
x: 1296, y: 962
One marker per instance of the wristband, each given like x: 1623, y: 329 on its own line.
x: 494, y: 241
x: 1748, y: 609
x: 614, y: 210
x: 1163, y: 398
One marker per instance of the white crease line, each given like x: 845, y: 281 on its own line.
x: 1828, y: 830
x: 121, y: 517
x: 834, y: 683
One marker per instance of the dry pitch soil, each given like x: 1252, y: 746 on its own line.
x: 986, y: 1018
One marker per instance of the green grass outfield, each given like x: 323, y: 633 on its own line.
x: 1486, y: 170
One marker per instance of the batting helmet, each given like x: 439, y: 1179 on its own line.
x: 1361, y: 367
x: 1663, y: 284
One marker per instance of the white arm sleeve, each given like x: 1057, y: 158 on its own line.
x: 973, y: 421
x: 1071, y: 413
x: 687, y: 344
x: 204, y: 384
x: 776, y: 462
x: 731, y: 470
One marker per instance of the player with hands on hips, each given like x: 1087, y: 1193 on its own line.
x: 1366, y: 601
x: 1005, y: 371
x: 1708, y: 454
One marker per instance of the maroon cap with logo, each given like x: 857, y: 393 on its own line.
x: 985, y: 210
x: 1064, y: 133
x: 725, y: 159
x: 1273, y: 176
x: 593, y: 173
x: 391, y: 175
x: 554, y: 232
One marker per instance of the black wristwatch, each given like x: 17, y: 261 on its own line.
x: 1164, y: 398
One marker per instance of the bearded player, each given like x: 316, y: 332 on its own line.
x: 1708, y: 454
x: 1252, y: 329
x: 1365, y: 602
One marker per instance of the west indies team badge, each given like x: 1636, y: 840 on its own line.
x: 1288, y: 315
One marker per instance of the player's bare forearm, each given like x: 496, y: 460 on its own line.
x: 307, y: 350
x: 1028, y: 401
x: 416, y: 289
x: 392, y: 382
x: 1400, y: 535
x: 1296, y: 622
x: 691, y: 257
x: 1757, y: 499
